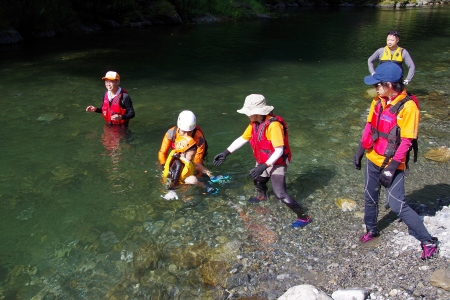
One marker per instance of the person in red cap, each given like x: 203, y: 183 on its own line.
x: 117, y: 108
x: 389, y: 134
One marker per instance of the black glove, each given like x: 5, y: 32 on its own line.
x: 358, y: 157
x: 257, y: 171
x: 387, y: 174
x: 415, y: 148
x: 220, y: 158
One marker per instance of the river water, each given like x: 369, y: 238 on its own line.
x: 77, y: 201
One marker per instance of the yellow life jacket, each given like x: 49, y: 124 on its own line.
x: 396, y: 57
x: 177, y: 174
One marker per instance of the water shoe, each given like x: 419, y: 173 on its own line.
x: 370, y: 235
x: 212, y: 190
x: 255, y: 199
x: 429, y: 248
x: 301, y: 223
x: 220, y: 179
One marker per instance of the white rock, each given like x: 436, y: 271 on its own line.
x: 393, y: 293
x: 283, y: 276
x: 304, y: 292
x: 350, y: 294
x: 438, y: 226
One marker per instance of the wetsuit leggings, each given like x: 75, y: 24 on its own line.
x: 396, y: 199
x: 277, y: 175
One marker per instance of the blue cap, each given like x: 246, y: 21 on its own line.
x: 386, y: 72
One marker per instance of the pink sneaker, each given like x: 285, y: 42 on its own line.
x: 370, y: 235
x: 429, y: 248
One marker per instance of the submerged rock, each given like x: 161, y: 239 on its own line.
x: 346, y: 204
x: 64, y: 174
x: 191, y: 257
x: 48, y: 117
x: 215, y: 273
x: 441, y: 154
x: 146, y: 257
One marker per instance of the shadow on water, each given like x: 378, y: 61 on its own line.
x: 425, y: 202
x: 306, y: 183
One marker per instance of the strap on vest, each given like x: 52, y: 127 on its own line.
x: 415, y: 147
x: 261, y: 127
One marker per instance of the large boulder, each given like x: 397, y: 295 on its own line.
x: 10, y: 36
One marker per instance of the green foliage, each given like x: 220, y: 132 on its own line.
x: 118, y: 10
x: 48, y: 14
x: 59, y: 14
x: 221, y: 8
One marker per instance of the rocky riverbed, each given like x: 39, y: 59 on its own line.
x: 333, y: 259
x: 222, y: 247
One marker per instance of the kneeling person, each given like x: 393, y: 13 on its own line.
x: 179, y: 168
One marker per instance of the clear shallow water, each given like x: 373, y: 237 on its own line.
x: 73, y: 198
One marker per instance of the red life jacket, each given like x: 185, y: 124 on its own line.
x: 113, y: 107
x: 384, y: 137
x: 262, y: 147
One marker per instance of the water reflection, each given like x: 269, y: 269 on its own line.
x: 115, y: 139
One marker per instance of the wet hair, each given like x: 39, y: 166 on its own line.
x: 394, y: 33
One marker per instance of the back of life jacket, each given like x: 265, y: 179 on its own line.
x: 111, y: 108
x: 262, y: 147
x: 172, y: 135
x: 385, y: 132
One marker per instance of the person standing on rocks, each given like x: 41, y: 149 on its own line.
x: 392, y: 126
x: 393, y: 53
x: 267, y: 134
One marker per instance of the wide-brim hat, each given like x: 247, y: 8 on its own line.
x: 255, y: 104
x: 111, y: 75
x: 386, y: 72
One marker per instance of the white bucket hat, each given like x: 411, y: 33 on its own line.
x: 255, y: 104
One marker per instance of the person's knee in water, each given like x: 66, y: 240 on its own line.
x: 179, y: 169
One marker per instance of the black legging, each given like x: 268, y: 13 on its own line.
x: 279, y: 189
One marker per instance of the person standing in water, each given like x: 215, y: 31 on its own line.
x: 392, y: 52
x: 117, y: 108
x: 391, y: 128
x: 267, y: 134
